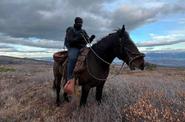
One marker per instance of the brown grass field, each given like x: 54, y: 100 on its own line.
x: 155, y: 94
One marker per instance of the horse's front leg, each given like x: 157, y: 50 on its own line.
x: 99, y: 90
x: 85, y: 92
x: 65, y: 96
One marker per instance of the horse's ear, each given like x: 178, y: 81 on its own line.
x: 123, y: 28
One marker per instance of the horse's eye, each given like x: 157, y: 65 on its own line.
x: 143, y: 54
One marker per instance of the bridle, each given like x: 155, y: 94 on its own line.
x: 129, y: 53
x: 131, y: 57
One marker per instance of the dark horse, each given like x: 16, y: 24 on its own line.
x: 99, y: 58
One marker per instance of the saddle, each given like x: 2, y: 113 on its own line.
x: 62, y: 56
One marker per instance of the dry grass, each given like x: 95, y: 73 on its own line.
x: 150, y: 95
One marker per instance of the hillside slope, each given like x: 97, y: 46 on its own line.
x: 154, y: 94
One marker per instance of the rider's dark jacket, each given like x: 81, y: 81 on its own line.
x: 74, y: 38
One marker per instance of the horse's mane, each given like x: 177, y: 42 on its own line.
x: 104, y: 38
x: 109, y: 37
x: 104, y: 42
x: 110, y: 40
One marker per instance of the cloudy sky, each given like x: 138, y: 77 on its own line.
x: 36, y: 28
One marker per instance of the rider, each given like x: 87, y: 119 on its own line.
x: 75, y: 39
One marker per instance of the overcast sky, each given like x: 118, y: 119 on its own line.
x: 34, y: 27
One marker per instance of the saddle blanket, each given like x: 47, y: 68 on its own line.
x: 61, y: 57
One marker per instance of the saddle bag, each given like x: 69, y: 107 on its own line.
x: 60, y: 56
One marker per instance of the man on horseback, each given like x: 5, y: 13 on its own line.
x: 96, y: 70
x: 75, y: 39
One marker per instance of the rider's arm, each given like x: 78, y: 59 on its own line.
x: 87, y: 37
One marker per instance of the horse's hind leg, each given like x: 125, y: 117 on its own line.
x: 54, y: 83
x: 57, y: 82
x: 85, y: 92
x: 99, y: 90
x: 65, y: 97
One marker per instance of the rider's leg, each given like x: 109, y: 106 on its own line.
x: 72, y: 58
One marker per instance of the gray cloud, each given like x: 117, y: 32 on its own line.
x: 149, y: 48
x: 48, y: 19
x: 160, y: 43
x: 43, y: 43
x: 134, y: 16
x: 25, y: 19
x: 6, y: 48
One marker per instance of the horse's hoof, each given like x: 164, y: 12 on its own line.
x: 99, y: 102
x: 66, y: 99
x: 57, y: 104
x: 82, y: 105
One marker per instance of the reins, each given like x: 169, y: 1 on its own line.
x: 95, y: 52
x: 136, y: 57
x: 100, y: 59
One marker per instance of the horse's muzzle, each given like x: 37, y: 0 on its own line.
x: 132, y: 68
x: 142, y: 67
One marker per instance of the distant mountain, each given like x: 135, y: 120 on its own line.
x: 49, y: 59
x: 15, y: 60
x: 173, y: 59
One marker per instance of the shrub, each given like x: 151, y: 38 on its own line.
x: 6, y: 69
x: 149, y: 66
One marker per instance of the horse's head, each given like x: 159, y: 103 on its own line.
x: 128, y: 51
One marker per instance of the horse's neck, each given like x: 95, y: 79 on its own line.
x: 100, y: 57
x: 104, y: 52
x: 96, y: 66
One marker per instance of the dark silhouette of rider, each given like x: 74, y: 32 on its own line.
x: 75, y: 39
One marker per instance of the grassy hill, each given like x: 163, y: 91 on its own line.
x: 156, y: 94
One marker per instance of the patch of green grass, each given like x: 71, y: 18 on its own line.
x: 6, y: 69
x: 149, y: 66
